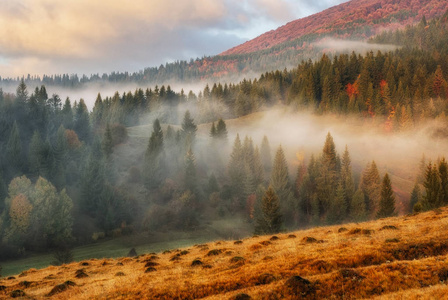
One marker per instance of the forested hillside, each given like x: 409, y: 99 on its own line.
x: 70, y: 176
x: 276, y: 49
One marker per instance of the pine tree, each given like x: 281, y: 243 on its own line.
x: 358, y: 206
x: 189, y: 128
x: 93, y: 180
x: 270, y: 220
x: 416, y: 197
x: 35, y: 155
x: 14, y: 152
x: 443, y: 175
x: 347, y: 178
x: 387, y: 201
x: 221, y: 130
x: 280, y: 176
x: 258, y: 168
x: 107, y: 143
x: 371, y: 187
x: 190, y: 172
x: 213, y: 131
x: 338, y: 208
x: 432, y: 187
x: 236, y: 169
x: 154, y: 158
x: 81, y: 122
x: 265, y: 154
x: 327, y: 180
x: 59, y: 159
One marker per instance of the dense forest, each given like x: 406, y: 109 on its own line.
x: 61, y: 183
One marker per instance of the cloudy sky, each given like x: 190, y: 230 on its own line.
x: 100, y: 36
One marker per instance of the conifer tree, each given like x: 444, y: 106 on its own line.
x: 154, y: 157
x: 416, y: 197
x: 189, y: 128
x: 190, y: 172
x: 347, y: 178
x: 432, y: 187
x: 358, y: 206
x: 67, y: 114
x: 107, y: 143
x: 265, y: 154
x: 221, y: 130
x: 35, y: 155
x: 327, y: 180
x: 14, y: 152
x: 443, y: 175
x: 93, y: 180
x: 371, y: 187
x: 258, y: 168
x: 59, y: 159
x: 387, y: 201
x: 270, y: 220
x: 213, y: 131
x: 81, y: 121
x: 338, y: 208
x: 280, y: 176
x: 236, y: 167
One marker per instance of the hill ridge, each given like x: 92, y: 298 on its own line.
x: 393, y: 257
x: 351, y: 15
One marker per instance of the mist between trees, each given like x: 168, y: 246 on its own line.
x: 160, y: 160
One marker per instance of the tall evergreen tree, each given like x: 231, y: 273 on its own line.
x: 14, y: 155
x: 280, y: 176
x: 35, y: 155
x: 358, y: 206
x: 270, y: 220
x: 387, y: 201
x: 443, y: 175
x: 338, y: 208
x: 190, y: 172
x: 107, y: 142
x: 189, y: 128
x: 416, y: 197
x: 371, y: 187
x: 347, y: 178
x: 221, y: 130
x: 154, y: 158
x: 235, y: 168
x: 265, y: 154
x: 432, y: 187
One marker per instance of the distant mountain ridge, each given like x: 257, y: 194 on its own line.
x: 346, y: 17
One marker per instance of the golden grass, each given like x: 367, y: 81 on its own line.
x: 394, y: 258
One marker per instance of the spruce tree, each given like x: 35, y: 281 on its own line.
x: 280, y: 176
x: 221, y: 130
x: 432, y: 187
x: 265, y: 154
x: 258, y: 168
x: 416, y: 197
x: 387, y: 200
x: 190, y: 172
x: 443, y: 175
x: 236, y: 169
x: 338, y: 208
x: 14, y: 153
x: 347, y: 178
x: 358, y: 206
x: 270, y: 220
x: 213, y: 131
x: 107, y: 143
x: 154, y: 158
x: 35, y: 155
x: 371, y: 187
x: 189, y: 128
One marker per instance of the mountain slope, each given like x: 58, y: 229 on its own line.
x: 345, y: 19
x: 394, y: 258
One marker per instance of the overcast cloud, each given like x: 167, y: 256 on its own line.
x: 86, y: 37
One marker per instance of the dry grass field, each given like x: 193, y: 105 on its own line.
x: 394, y: 258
